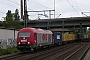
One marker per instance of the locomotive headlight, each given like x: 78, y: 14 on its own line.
x: 28, y: 42
x: 19, y: 43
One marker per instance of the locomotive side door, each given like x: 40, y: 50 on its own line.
x: 39, y: 38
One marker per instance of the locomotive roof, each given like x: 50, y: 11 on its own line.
x: 28, y: 29
x: 36, y: 30
x: 49, y: 31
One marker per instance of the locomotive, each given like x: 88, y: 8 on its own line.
x: 32, y: 38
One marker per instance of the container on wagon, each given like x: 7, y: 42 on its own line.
x: 64, y: 37
x: 57, y: 37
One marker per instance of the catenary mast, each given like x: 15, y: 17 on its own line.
x: 24, y: 17
x: 21, y: 9
x: 25, y: 13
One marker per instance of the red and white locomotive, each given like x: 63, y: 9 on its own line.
x: 32, y: 38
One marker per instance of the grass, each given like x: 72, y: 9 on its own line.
x: 8, y: 51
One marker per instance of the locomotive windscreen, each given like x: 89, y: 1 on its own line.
x: 24, y: 34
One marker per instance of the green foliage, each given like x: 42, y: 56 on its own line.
x: 9, y: 16
x: 3, y: 52
x: 12, y: 20
x: 88, y: 32
x: 8, y: 51
x: 16, y: 15
x: 78, y: 31
x: 12, y: 50
x: 13, y: 24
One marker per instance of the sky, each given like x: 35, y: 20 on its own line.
x: 63, y: 8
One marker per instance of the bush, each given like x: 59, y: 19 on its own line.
x: 8, y: 51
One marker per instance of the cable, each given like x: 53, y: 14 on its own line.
x: 28, y: 0
x: 13, y: 2
x: 80, y: 10
x: 77, y: 5
x: 5, y: 3
x: 72, y: 7
x: 42, y: 5
x: 16, y: 3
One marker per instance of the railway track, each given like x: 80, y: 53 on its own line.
x: 75, y: 53
x: 51, y: 52
x: 64, y: 52
x: 5, y: 57
x: 79, y: 53
x: 39, y: 53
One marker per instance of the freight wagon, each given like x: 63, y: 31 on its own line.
x: 86, y: 37
x: 60, y: 38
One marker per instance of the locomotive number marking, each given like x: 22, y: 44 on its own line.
x: 44, y: 36
x: 23, y: 40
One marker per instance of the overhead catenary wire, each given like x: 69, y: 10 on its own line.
x: 77, y: 5
x: 19, y: 4
x: 13, y: 2
x: 81, y: 10
x: 46, y: 6
x: 73, y: 7
x: 16, y: 3
x: 4, y: 4
x: 41, y: 4
x: 28, y: 0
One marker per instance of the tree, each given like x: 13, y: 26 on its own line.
x: 12, y: 20
x: 9, y: 16
x: 16, y: 15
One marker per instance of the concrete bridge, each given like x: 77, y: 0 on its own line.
x: 73, y: 22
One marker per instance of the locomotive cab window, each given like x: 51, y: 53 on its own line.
x: 35, y: 34
x: 24, y: 34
